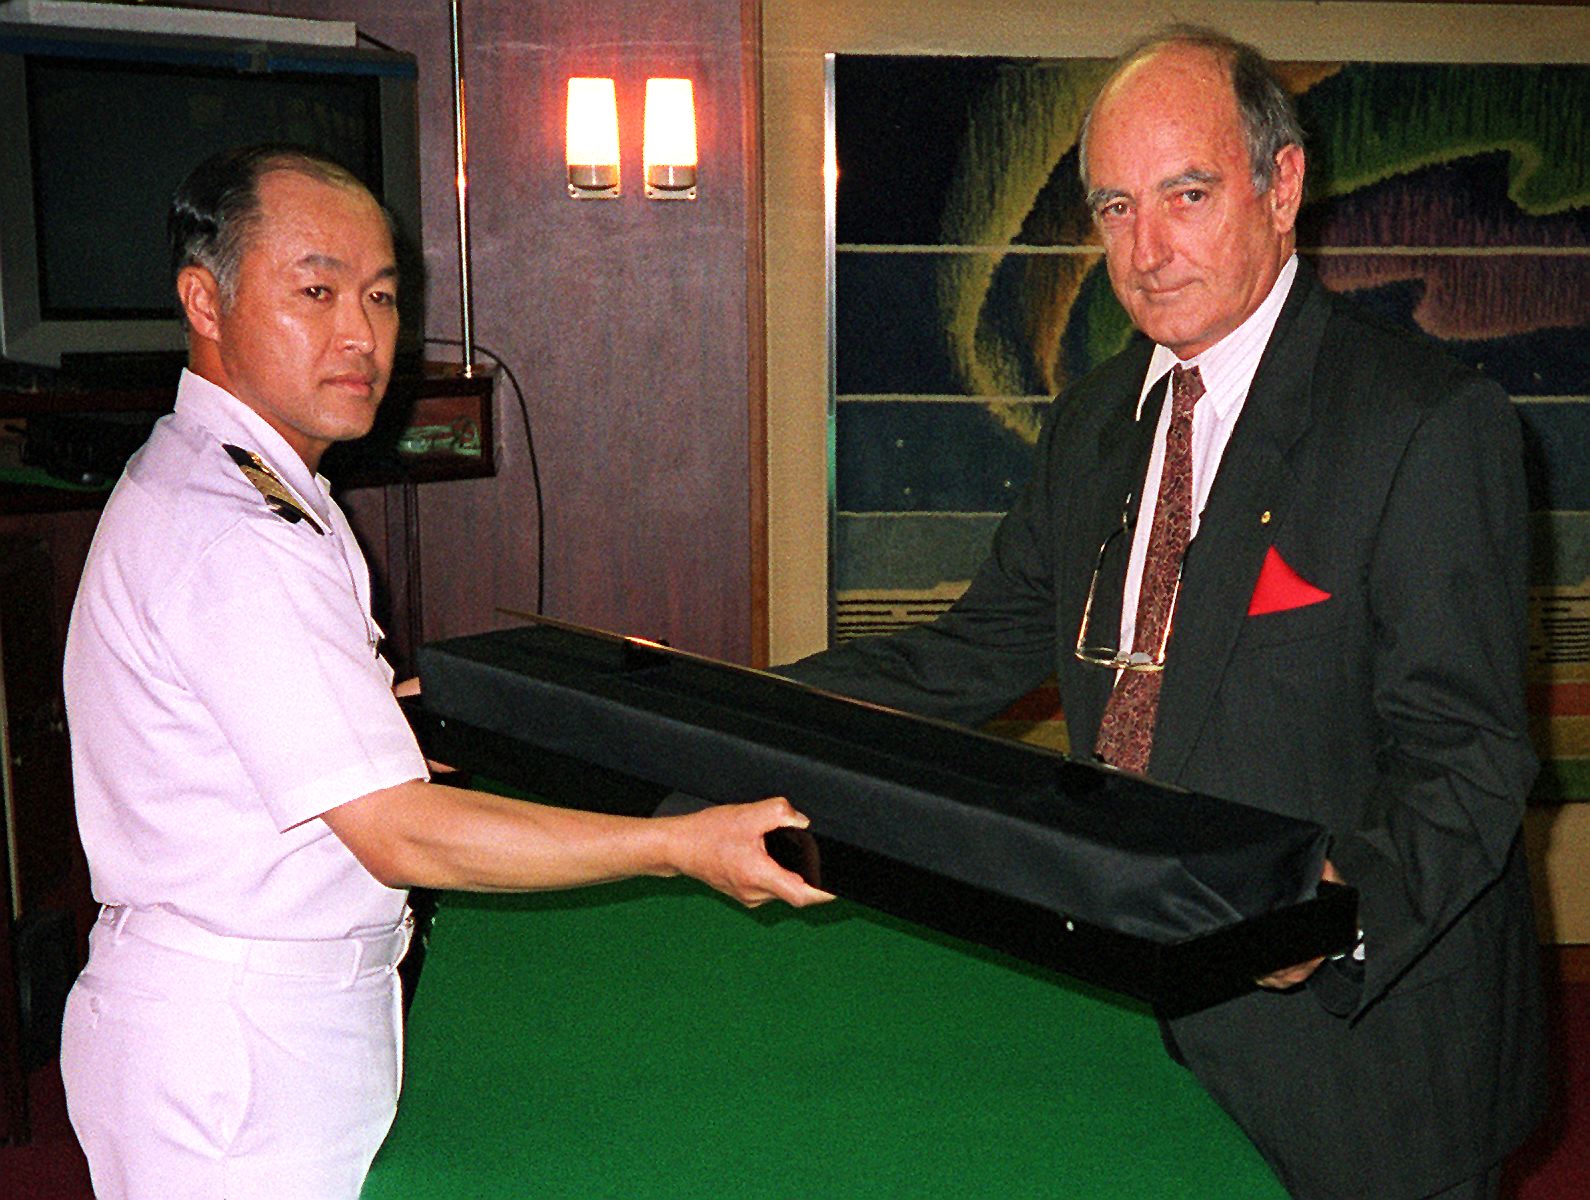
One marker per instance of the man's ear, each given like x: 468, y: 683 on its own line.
x: 200, y: 296
x: 1286, y: 187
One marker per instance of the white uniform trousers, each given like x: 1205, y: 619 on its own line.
x: 207, y: 1068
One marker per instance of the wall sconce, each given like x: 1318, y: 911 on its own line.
x: 670, y: 140
x: 591, y: 135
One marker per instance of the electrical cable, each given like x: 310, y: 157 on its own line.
x: 535, y: 466
x: 376, y: 42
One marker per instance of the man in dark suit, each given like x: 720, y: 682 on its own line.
x: 1294, y: 578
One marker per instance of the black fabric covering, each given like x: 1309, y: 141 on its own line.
x: 1078, y: 840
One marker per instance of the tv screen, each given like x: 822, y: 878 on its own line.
x: 91, y: 126
x: 113, y: 124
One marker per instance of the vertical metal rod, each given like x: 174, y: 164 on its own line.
x: 413, y: 584
x: 8, y: 800
x: 831, y: 301
x: 461, y: 157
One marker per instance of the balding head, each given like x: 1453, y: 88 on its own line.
x: 1264, y: 110
x: 217, y: 205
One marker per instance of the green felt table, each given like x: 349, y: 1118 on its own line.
x: 649, y: 1039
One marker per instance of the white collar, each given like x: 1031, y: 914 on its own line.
x: 224, y: 415
x: 1228, y: 366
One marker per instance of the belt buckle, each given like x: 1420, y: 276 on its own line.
x: 391, y: 946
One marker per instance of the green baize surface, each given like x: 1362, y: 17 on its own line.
x: 650, y: 1039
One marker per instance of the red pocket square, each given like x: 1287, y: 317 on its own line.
x: 1280, y: 588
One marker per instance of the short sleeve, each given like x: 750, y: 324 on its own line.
x: 267, y: 630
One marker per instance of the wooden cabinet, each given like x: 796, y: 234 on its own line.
x: 38, y: 946
x: 434, y: 425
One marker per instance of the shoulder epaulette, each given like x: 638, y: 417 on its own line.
x: 277, y: 498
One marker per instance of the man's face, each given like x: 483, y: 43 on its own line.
x: 1191, y: 248
x: 308, y: 337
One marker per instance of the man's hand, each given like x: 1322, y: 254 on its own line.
x: 1290, y: 977
x: 722, y: 846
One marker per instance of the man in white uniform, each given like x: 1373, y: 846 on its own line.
x: 251, y: 800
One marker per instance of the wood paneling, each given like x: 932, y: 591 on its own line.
x: 625, y: 320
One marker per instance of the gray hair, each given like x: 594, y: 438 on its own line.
x: 214, y: 211
x: 1269, y: 120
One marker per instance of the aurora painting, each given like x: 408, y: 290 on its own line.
x: 970, y: 289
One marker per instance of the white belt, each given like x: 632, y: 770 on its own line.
x: 341, y: 958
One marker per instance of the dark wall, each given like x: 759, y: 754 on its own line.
x: 626, y: 322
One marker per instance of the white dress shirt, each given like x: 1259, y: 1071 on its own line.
x: 1227, y: 370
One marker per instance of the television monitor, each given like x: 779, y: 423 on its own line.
x: 102, y: 126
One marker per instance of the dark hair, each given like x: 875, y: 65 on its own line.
x: 1269, y: 121
x: 216, y: 206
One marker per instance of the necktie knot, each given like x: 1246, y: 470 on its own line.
x: 1186, y: 387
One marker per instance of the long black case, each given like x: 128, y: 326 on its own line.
x: 1177, y: 898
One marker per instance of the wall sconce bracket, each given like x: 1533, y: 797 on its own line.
x: 670, y: 183
x: 593, y: 182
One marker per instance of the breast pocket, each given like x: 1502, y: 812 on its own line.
x: 1310, y: 621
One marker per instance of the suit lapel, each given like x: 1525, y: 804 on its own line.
x: 1223, y: 561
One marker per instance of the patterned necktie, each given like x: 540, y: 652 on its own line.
x: 1126, y: 734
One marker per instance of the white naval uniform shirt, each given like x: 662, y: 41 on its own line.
x: 1227, y: 369
x: 223, y: 689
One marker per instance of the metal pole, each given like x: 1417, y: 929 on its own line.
x: 461, y: 157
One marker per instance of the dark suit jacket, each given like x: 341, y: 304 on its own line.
x: 1391, y: 713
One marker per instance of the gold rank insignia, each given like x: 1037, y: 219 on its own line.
x: 279, y: 500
